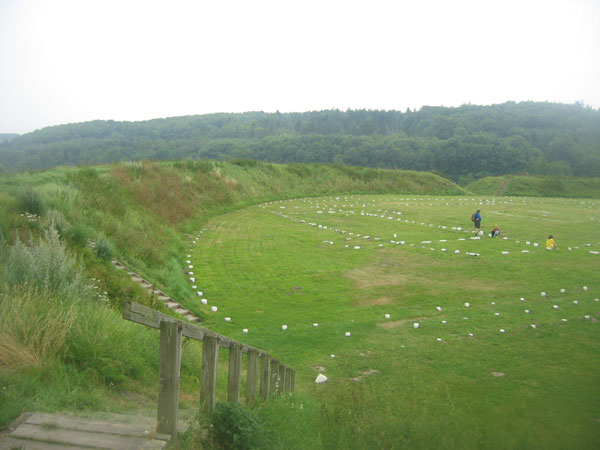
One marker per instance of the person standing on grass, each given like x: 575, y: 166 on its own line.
x: 550, y: 243
x: 476, y: 218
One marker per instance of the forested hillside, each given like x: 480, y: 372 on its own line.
x: 7, y: 136
x: 463, y: 143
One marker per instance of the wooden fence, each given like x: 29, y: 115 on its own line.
x: 275, y: 377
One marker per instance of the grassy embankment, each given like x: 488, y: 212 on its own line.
x: 537, y: 186
x: 63, y: 343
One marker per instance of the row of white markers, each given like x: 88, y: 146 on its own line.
x: 416, y: 325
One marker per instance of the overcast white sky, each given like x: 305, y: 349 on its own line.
x: 65, y: 61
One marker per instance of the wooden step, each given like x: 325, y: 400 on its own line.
x: 53, y: 431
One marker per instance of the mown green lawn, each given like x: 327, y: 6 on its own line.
x: 392, y: 385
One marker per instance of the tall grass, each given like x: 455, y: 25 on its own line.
x: 34, y: 327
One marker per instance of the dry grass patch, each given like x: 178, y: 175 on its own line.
x: 403, y: 269
x: 375, y: 301
x: 399, y: 323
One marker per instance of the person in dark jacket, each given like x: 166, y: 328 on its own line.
x: 476, y: 218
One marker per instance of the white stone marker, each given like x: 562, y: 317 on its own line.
x: 543, y: 294
x: 555, y: 306
x: 416, y: 325
x: 387, y: 316
x: 585, y: 288
x: 562, y: 291
x: 439, y: 308
x: 227, y: 319
x: 347, y: 334
x: 467, y: 304
x: 320, y: 379
x: 502, y: 330
x: 532, y: 325
x: 214, y: 308
x: 526, y: 311
x: 439, y: 339
x: 284, y: 327
x: 245, y: 331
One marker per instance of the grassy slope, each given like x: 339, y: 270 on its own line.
x: 538, y: 186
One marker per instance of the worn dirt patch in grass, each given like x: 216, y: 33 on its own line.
x: 375, y: 301
x: 399, y: 323
x: 406, y: 269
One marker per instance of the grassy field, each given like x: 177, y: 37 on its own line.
x: 458, y: 381
x: 267, y: 263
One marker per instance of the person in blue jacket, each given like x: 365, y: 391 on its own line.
x: 476, y: 218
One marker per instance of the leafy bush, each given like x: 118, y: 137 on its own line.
x: 236, y: 427
x: 30, y: 201
x: 245, y: 162
x: 78, y: 235
x: 103, y: 249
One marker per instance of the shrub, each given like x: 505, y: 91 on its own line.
x: 57, y: 220
x: 46, y: 266
x: 103, y: 249
x: 78, y: 235
x: 236, y: 427
x: 245, y: 162
x: 30, y: 201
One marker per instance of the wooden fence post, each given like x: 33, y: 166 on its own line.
x: 281, y: 385
x: 274, y: 377
x: 235, y: 372
x: 168, y: 376
x: 265, y: 376
x: 251, y: 376
x: 288, y: 379
x: 208, y: 378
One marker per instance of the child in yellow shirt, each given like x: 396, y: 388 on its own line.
x: 550, y: 244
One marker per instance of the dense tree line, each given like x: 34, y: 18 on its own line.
x: 463, y: 143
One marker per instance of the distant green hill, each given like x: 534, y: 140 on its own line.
x: 463, y: 143
x: 538, y: 186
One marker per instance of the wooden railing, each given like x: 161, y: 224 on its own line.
x: 275, y: 377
